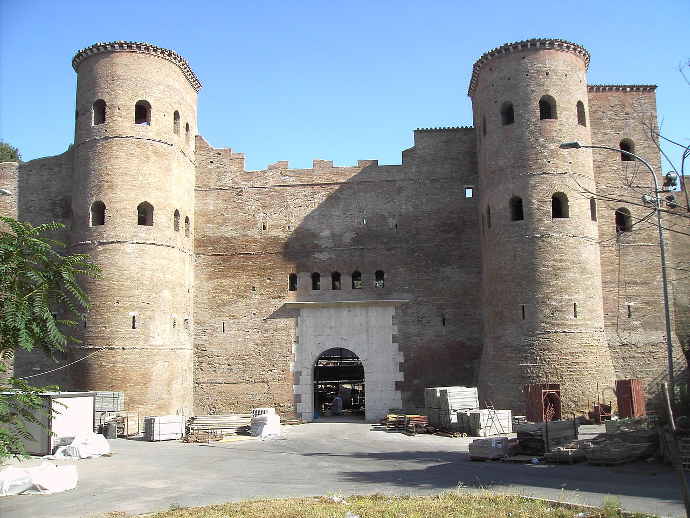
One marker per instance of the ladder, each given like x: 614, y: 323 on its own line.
x: 493, y: 422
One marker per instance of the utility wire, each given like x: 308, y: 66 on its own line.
x: 60, y: 368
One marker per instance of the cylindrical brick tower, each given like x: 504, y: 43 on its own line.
x: 541, y: 274
x: 133, y: 214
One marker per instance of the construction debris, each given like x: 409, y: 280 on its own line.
x: 219, y: 425
x: 443, y: 403
x: 538, y: 438
x: 411, y: 424
x: 164, y: 428
x: 491, y: 449
x: 485, y: 422
x: 621, y: 447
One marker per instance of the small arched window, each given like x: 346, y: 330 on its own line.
x: 623, y: 220
x: 315, y: 281
x: 488, y: 216
x: 507, y: 113
x: 581, y: 117
x: 357, y: 280
x: 335, y: 281
x: 559, y: 206
x: 547, y: 108
x: 186, y: 132
x: 627, y: 145
x: 292, y: 282
x: 593, y: 209
x: 379, y: 278
x: 97, y: 213
x: 516, y: 211
x: 145, y: 214
x: 98, y: 109
x: 176, y: 220
x: 176, y: 122
x: 142, y: 113
x: 186, y: 226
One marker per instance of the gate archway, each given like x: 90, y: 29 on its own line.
x: 338, y: 372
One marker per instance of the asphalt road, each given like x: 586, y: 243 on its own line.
x: 328, y: 458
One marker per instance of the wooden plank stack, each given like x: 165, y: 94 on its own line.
x: 485, y: 422
x: 532, y: 436
x: 219, y: 424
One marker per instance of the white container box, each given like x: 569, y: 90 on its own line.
x: 64, y: 416
x: 164, y: 427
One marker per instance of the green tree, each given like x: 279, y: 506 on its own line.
x: 37, y: 283
x: 9, y: 153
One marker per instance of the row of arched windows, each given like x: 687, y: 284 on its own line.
x: 560, y: 208
x: 547, y: 110
x: 144, y: 216
x: 336, y: 282
x: 142, y: 116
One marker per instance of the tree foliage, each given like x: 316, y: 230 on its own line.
x: 9, y: 153
x: 40, y: 300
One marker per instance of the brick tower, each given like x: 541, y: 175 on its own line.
x: 543, y: 316
x: 133, y: 214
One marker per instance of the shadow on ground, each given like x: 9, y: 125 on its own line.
x: 452, y: 469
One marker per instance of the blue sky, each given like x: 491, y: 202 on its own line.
x: 337, y: 81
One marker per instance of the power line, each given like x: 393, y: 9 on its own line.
x: 60, y: 368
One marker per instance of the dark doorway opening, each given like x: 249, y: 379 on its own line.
x: 338, y: 373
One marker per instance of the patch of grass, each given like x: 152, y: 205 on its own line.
x: 446, y: 505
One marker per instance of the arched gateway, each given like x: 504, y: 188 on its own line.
x: 363, y: 334
x: 338, y: 372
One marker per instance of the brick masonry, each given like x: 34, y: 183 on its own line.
x: 217, y: 328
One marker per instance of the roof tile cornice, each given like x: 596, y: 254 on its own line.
x: 621, y: 88
x: 143, y: 48
x: 445, y: 128
x: 518, y: 46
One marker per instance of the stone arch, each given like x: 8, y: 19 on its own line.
x: 142, y: 113
x: 547, y: 107
x: 98, y: 111
x: 627, y: 145
x: 176, y: 122
x: 338, y: 371
x: 97, y: 214
x: 581, y: 116
x: 560, y: 208
x: 507, y: 113
x: 145, y: 214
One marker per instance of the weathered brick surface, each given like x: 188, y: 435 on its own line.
x: 633, y: 302
x: 542, y: 263
x: 454, y: 288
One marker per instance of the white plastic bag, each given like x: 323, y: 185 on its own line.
x: 88, y: 445
x: 48, y: 478
x: 44, y: 479
x: 14, y: 481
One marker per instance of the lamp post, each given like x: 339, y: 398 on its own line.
x: 662, y: 250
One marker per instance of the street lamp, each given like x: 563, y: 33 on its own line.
x: 657, y: 208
